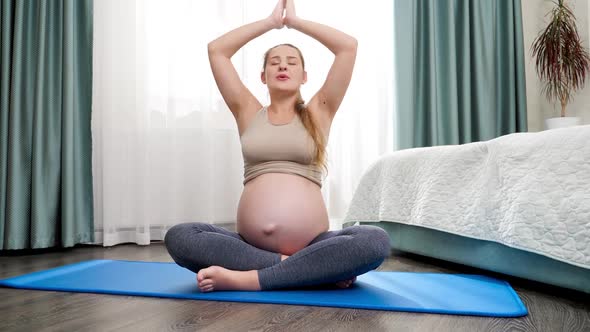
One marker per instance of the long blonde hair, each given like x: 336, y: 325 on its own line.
x: 306, y: 118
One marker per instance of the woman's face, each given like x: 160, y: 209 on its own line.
x: 284, y: 69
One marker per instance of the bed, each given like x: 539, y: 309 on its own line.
x: 518, y: 204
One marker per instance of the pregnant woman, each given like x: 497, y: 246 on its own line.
x: 282, y: 238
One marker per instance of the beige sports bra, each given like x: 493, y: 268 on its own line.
x: 285, y: 148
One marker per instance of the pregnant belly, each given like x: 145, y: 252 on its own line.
x: 281, y: 212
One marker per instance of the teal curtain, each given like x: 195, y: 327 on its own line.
x: 45, y: 108
x: 460, y: 72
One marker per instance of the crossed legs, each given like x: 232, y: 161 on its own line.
x: 224, y: 260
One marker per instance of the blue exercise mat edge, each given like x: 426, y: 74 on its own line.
x: 290, y: 297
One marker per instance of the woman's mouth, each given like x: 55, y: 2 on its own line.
x: 282, y: 77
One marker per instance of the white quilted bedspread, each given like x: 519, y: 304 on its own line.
x: 529, y: 191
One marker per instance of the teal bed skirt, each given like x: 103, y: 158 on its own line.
x: 486, y: 255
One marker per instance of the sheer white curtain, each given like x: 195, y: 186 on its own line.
x: 166, y: 148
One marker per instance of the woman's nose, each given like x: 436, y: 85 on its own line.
x: 282, y: 67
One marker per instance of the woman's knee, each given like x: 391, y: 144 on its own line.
x: 175, y: 234
x: 376, y: 239
x: 174, y: 238
x: 178, y: 236
x: 382, y: 239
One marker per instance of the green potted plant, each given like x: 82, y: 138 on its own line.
x: 562, y: 62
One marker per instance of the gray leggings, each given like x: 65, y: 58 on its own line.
x: 331, y: 257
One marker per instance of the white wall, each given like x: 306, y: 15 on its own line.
x: 534, y: 20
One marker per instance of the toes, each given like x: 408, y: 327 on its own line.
x: 346, y: 283
x: 206, y: 282
x: 206, y: 285
x: 206, y: 289
x: 206, y: 273
x: 343, y: 284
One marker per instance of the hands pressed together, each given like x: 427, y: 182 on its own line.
x: 283, y: 14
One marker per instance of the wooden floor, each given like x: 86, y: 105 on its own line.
x: 550, y: 308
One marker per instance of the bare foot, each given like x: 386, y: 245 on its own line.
x: 219, y: 278
x: 345, y: 283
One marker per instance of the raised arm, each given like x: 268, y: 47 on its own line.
x: 344, y: 48
x: 234, y: 92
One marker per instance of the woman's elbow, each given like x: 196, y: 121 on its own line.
x: 211, y: 47
x: 349, y: 46
x: 353, y: 44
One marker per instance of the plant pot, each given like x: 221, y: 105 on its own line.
x: 562, y: 122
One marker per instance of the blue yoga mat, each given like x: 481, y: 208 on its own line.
x: 398, y: 291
